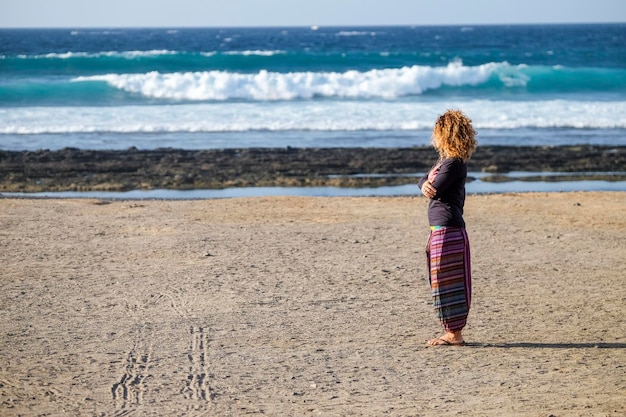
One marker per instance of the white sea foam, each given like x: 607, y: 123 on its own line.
x: 265, y: 85
x: 322, y: 116
x: 140, y: 54
x: 121, y: 54
x: 256, y: 52
x: 355, y: 33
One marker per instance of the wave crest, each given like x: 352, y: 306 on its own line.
x: 155, y: 53
x: 271, y: 86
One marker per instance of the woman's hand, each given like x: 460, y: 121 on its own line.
x: 428, y: 190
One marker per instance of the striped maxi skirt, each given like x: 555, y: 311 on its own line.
x: 449, y: 274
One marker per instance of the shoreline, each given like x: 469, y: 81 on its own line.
x: 73, y: 169
x: 408, y: 190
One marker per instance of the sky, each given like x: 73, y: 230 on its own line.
x: 224, y: 13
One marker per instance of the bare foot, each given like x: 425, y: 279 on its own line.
x: 448, y: 339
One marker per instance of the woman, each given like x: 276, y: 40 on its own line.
x: 448, y: 251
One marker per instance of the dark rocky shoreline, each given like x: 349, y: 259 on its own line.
x: 88, y: 170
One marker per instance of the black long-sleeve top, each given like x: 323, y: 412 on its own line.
x: 446, y: 207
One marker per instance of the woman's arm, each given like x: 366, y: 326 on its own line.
x: 428, y: 189
x: 448, y: 174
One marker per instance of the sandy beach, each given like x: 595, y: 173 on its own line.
x: 288, y: 306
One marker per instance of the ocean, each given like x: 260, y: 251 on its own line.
x: 202, y: 88
x: 309, y: 87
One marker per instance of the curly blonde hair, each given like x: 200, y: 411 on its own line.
x: 454, y: 136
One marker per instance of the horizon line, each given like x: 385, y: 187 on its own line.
x: 313, y: 26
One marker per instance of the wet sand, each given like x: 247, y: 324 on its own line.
x: 308, y: 306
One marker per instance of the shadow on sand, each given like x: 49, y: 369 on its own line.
x: 565, y: 345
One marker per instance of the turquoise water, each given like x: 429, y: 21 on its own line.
x: 275, y: 87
